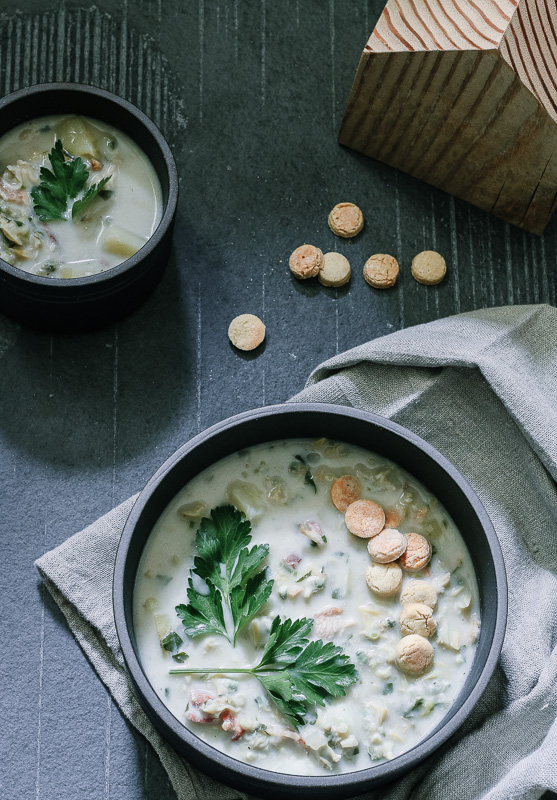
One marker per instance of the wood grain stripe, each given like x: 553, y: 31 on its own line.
x: 505, y: 53
x: 378, y: 36
x: 442, y: 72
x: 358, y: 121
x: 392, y: 28
x: 460, y: 113
x: 401, y: 137
x: 473, y: 26
x: 370, y: 71
x: 453, y: 74
x: 429, y: 24
x: 512, y: 7
x: 456, y: 27
x: 525, y: 71
x: 410, y: 28
x: 547, y: 44
x: 444, y: 31
x: 485, y: 18
x: 530, y: 34
x: 393, y: 76
x: 399, y: 116
x: 550, y: 22
x: 468, y: 170
x: 534, y: 51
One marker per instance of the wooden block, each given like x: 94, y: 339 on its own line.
x: 463, y: 95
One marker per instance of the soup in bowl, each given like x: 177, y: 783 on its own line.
x: 88, y: 198
x: 77, y: 197
x: 317, y: 611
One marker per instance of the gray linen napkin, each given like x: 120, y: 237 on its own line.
x: 482, y: 388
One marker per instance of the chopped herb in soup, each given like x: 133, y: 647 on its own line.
x: 77, y: 197
x: 306, y: 606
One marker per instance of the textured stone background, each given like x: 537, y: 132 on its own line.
x: 250, y: 94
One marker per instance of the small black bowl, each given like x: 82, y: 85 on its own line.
x: 375, y: 434
x: 72, y: 304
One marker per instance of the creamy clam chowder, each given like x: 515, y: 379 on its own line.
x: 402, y: 603
x: 77, y: 197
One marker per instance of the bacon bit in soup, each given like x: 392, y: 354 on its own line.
x: 284, y: 733
x: 329, y: 624
x: 314, y: 532
x: 292, y: 560
x: 198, y: 698
x: 196, y: 715
x: 9, y: 195
x: 328, y: 612
x: 230, y: 724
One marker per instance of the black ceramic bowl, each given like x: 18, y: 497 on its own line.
x: 70, y: 304
x: 375, y: 434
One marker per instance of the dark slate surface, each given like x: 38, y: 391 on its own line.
x: 250, y: 96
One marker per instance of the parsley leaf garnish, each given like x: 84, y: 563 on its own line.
x: 296, y: 671
x: 171, y: 642
x: 313, y: 671
x: 64, y: 182
x: 228, y: 568
x: 61, y: 184
x: 204, y: 613
x: 80, y: 205
x: 180, y: 657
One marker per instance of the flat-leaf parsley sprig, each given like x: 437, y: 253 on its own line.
x: 295, y: 671
x: 61, y: 184
x: 84, y: 202
x: 232, y: 591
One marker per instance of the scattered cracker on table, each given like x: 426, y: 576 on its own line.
x: 381, y: 271
x: 246, y: 332
x: 306, y: 261
x: 335, y: 270
x: 346, y: 220
x: 429, y: 267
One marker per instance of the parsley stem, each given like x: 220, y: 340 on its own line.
x: 206, y: 670
x: 294, y: 671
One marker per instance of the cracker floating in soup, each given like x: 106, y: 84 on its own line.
x: 231, y: 641
x: 77, y: 197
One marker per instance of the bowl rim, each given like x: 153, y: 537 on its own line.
x: 360, y: 780
x: 64, y: 285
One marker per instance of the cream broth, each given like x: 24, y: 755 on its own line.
x: 280, y: 487
x: 113, y: 226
